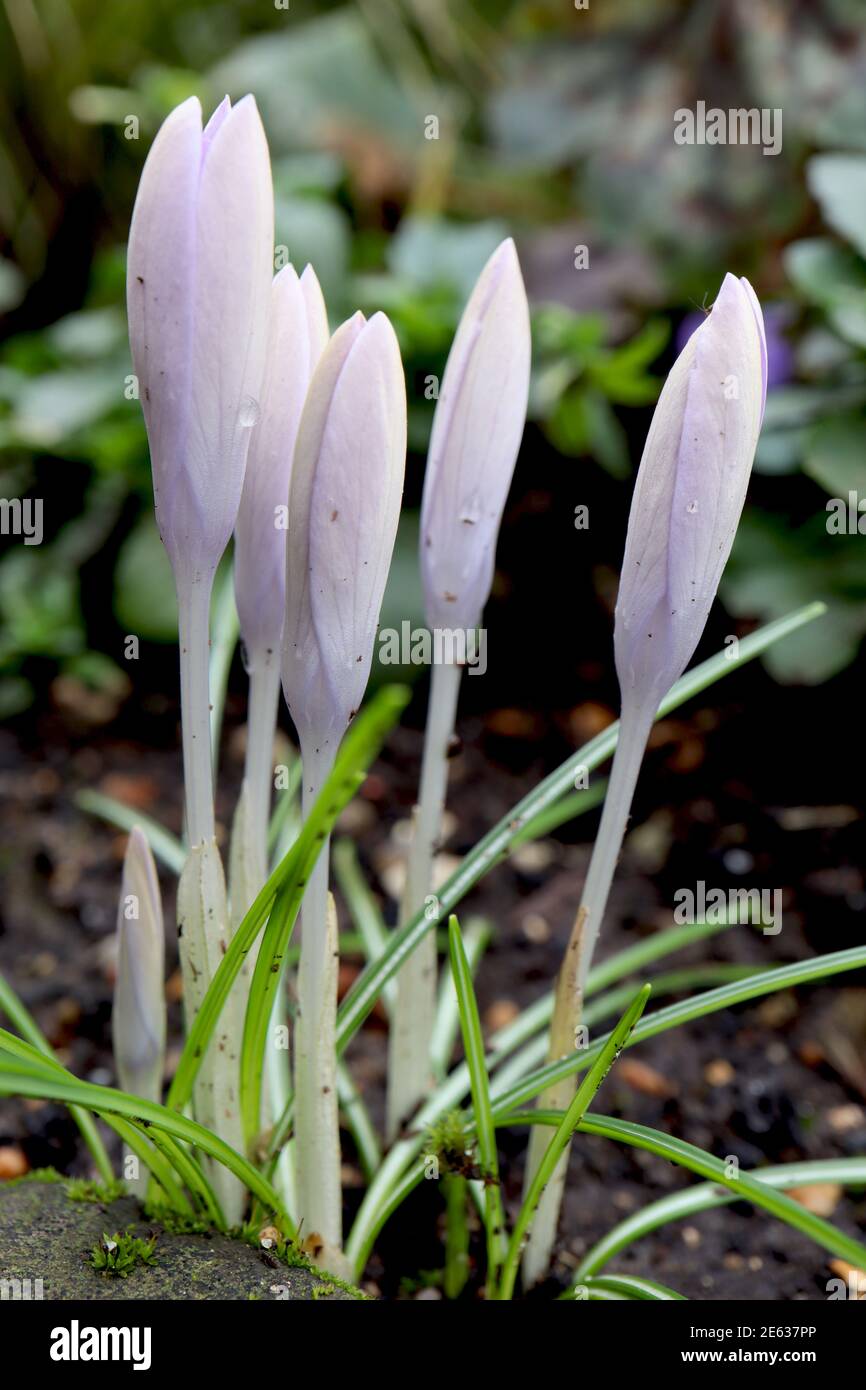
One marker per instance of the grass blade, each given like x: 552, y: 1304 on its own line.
x: 580, y: 1103
x: 166, y: 847
x: 473, y: 1045
x: 364, y: 911
x: 627, y: 1286
x: 848, y: 1172
x: 447, y: 1021
x: 563, y: 811
x: 360, y: 747
x: 266, y: 979
x: 497, y: 843
x: 29, y: 1061
x: 53, y: 1083
x: 685, y: 1011
x: 21, y: 1018
x: 191, y: 1173
x: 708, y: 1166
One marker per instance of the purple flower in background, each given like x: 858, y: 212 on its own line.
x: 780, y: 355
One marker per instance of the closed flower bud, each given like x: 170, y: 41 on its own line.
x: 347, y: 483
x: 687, y: 501
x: 297, y: 334
x: 689, y: 494
x: 474, y: 442
x: 199, y: 270
x: 138, y: 1016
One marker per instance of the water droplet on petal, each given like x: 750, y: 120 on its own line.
x: 249, y: 413
x: 692, y: 508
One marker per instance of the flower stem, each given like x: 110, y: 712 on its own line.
x: 203, y: 923
x: 259, y: 765
x: 249, y: 871
x: 193, y: 605
x: 409, y: 1064
x: 259, y: 783
x: 635, y: 724
x: 317, y: 1147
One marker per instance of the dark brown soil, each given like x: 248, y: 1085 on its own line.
x: 774, y: 1081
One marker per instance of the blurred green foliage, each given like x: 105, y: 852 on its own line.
x: 408, y: 138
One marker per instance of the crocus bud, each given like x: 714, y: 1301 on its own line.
x: 297, y: 334
x: 138, y: 1016
x: 347, y: 482
x: 687, y: 501
x: 199, y: 270
x: 476, y: 434
x: 689, y: 493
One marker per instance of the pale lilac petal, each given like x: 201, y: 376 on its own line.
x: 355, y: 508
x: 689, y: 494
x: 759, y: 320
x: 198, y: 278
x: 305, y: 683
x: 213, y: 125
x: 474, y: 443
x: 161, y: 269
x: 260, y: 531
x: 138, y: 1016
x: 233, y: 279
x: 317, y: 314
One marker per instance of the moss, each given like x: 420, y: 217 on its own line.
x: 176, y: 1221
x: 119, y: 1254
x: 103, y: 1193
x: 446, y: 1140
x: 35, y: 1175
x: 42, y: 1231
x: 293, y: 1257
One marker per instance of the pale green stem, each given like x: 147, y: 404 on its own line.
x: 409, y: 1062
x: 259, y: 767
x: 264, y: 693
x: 635, y: 724
x: 317, y: 1131
x: 202, y: 905
x: 193, y: 605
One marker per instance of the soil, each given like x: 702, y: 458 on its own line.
x: 720, y: 800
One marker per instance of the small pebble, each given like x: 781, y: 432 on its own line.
x: 821, y: 1198
x: 719, y: 1072
x: 500, y: 1012
x: 535, y: 928
x: 13, y: 1161
x: 535, y: 857
x: 645, y: 1079
x: 843, y: 1118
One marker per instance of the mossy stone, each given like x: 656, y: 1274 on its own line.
x: 44, y: 1235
